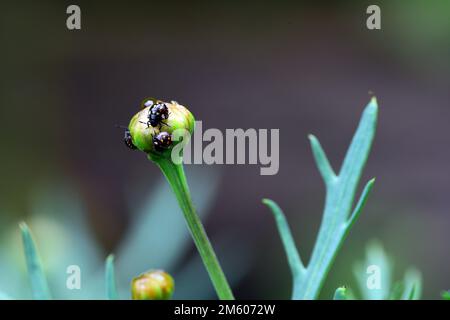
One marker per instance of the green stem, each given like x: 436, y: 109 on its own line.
x: 177, y: 180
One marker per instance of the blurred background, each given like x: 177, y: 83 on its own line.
x: 301, y: 67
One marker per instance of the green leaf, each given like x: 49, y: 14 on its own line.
x: 361, y: 203
x: 111, y: 291
x: 376, y: 256
x: 408, y: 289
x: 359, y: 149
x: 343, y: 293
x: 322, y: 162
x: 38, y: 280
x: 446, y: 295
x: 338, y: 216
x: 412, y: 285
x: 294, y: 260
x: 58, y: 217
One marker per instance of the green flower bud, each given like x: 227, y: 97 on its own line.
x: 152, y: 285
x: 143, y: 133
x: 162, y: 130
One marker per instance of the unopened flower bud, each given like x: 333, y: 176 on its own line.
x: 152, y: 285
x: 152, y: 128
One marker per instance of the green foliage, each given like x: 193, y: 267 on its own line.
x: 58, y: 219
x: 412, y: 285
x: 110, y: 279
x: 343, y: 293
x: 410, y: 288
x: 137, y: 252
x: 38, y: 280
x: 338, y: 216
x: 375, y: 256
x: 446, y: 295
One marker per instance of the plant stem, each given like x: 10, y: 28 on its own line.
x: 177, y: 180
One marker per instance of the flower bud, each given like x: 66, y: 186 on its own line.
x: 152, y: 285
x: 145, y: 127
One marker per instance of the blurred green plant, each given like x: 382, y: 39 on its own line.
x: 343, y: 293
x: 419, y: 34
x: 338, y: 216
x: 446, y: 295
x: 39, y: 286
x: 110, y: 279
x: 58, y: 222
x: 410, y: 288
x: 152, y: 224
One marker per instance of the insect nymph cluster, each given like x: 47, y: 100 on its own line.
x: 158, y: 113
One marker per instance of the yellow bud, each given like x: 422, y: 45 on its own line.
x: 143, y: 132
x: 152, y: 285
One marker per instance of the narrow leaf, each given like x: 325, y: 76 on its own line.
x: 338, y: 203
x: 111, y: 291
x: 412, y: 285
x: 322, y: 162
x: 358, y: 153
x: 361, y: 203
x: 38, y: 280
x: 294, y: 260
x: 340, y: 192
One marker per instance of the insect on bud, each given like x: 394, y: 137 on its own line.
x: 151, y: 129
x: 152, y: 285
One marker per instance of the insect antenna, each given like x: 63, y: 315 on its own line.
x: 144, y: 123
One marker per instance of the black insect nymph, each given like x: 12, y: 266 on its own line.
x: 128, y: 140
x: 157, y: 113
x: 162, y: 141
